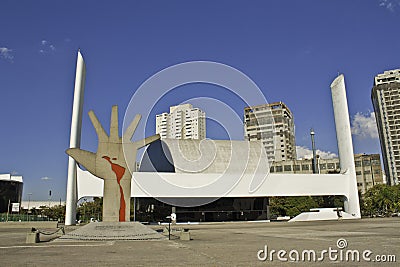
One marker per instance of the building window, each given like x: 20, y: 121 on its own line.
x: 366, y: 163
x: 278, y: 168
x: 296, y: 167
x: 331, y: 166
x: 376, y: 162
x: 358, y: 172
x: 358, y: 163
x: 305, y: 167
x: 271, y: 169
x: 288, y: 168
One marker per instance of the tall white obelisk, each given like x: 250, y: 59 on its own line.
x: 345, y: 144
x: 75, y: 140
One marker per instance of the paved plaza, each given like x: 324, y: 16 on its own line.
x: 217, y: 244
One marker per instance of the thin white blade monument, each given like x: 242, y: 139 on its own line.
x: 75, y: 140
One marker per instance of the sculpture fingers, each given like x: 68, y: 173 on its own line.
x: 101, y: 134
x: 85, y: 158
x: 131, y: 129
x: 129, y: 150
x: 114, y: 136
x: 147, y: 140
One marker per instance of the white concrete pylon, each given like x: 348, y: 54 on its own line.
x: 345, y: 144
x: 75, y: 140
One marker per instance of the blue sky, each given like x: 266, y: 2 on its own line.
x: 291, y: 49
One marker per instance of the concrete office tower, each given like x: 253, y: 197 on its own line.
x: 386, y: 101
x: 182, y: 122
x: 277, y: 135
x: 75, y: 140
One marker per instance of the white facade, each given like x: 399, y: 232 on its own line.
x: 182, y: 122
x: 386, y: 100
x: 10, y: 177
x: 35, y: 204
x: 273, y: 124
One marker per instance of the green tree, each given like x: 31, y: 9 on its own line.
x: 293, y: 206
x: 90, y: 209
x: 381, y: 200
x: 54, y: 213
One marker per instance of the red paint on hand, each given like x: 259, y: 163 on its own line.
x: 119, y: 172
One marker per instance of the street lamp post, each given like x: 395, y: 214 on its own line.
x: 134, y: 209
x: 314, y: 161
x: 84, y: 210
x: 29, y: 202
x: 8, y: 209
x: 49, y: 198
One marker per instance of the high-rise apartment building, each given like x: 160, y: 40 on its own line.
x: 272, y: 124
x: 386, y: 101
x: 182, y: 122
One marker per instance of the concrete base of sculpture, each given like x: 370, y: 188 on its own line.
x: 32, y: 238
x: 322, y: 214
x: 113, y: 231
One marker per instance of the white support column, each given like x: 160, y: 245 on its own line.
x: 345, y: 144
x: 75, y: 140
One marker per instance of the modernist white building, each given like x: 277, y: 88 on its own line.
x: 229, y: 169
x: 273, y: 124
x: 182, y: 122
x: 386, y: 100
x: 29, y: 205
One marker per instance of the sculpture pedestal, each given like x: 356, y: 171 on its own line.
x: 32, y: 238
x: 113, y: 231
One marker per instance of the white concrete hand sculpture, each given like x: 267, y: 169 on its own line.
x: 109, y: 164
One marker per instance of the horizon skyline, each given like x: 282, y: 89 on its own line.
x: 292, y: 51
x: 302, y: 152
x: 305, y: 152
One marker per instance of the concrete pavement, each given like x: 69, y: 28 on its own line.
x: 216, y: 244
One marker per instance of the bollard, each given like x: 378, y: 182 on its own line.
x: 32, y: 237
x: 185, y: 235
